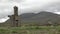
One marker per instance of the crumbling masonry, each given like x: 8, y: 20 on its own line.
x: 14, y: 18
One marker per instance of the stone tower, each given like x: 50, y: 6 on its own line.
x: 14, y: 18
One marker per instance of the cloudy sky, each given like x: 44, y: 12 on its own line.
x: 25, y: 6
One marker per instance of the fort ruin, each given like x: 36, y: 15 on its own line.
x: 14, y: 18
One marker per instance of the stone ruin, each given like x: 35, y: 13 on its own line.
x: 14, y: 19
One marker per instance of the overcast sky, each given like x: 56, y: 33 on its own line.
x: 25, y: 6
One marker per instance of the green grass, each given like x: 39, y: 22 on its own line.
x: 30, y: 30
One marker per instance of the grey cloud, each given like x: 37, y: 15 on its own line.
x: 18, y: 1
x: 53, y: 7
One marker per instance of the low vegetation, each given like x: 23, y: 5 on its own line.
x: 30, y: 30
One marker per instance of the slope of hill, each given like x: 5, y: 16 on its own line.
x: 27, y: 15
x: 42, y: 18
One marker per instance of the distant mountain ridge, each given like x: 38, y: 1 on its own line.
x: 38, y: 15
x: 41, y: 18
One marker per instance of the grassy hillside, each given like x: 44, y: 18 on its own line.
x: 30, y: 30
x: 41, y: 18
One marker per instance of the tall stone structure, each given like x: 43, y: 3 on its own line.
x: 14, y: 18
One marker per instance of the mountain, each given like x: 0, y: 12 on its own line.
x: 41, y: 18
x: 27, y: 15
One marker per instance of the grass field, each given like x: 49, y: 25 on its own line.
x: 30, y: 30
